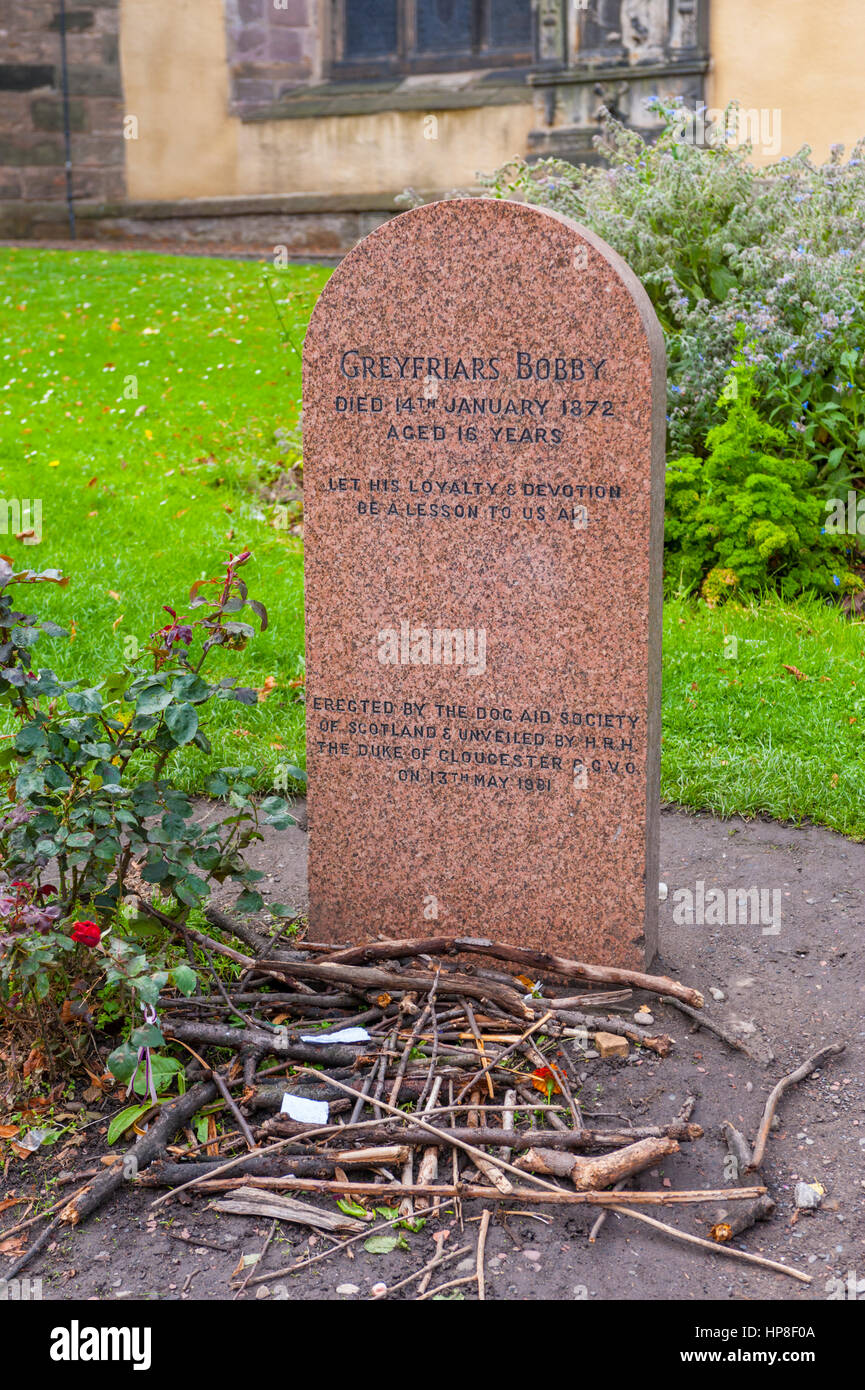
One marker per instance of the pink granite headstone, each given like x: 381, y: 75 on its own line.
x: 483, y: 478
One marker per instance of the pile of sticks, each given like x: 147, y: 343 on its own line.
x: 462, y: 1083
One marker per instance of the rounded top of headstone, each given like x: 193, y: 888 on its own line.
x: 464, y: 253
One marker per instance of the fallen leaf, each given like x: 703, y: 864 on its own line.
x: 8, y: 1131
x: 794, y: 671
x: 544, y: 1079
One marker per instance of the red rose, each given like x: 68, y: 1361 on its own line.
x: 86, y: 934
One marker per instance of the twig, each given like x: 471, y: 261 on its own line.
x: 478, y: 1076
x: 270, y: 1235
x: 666, y: 1197
x: 334, y: 1249
x: 710, y: 1245
x: 440, y: 1288
x: 710, y: 1026
x: 438, y: 1259
x: 833, y: 1050
x: 233, y: 1107
x: 535, y: 960
x: 432, y: 1129
x: 482, y: 1243
x: 603, y: 1213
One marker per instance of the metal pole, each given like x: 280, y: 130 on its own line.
x: 67, y: 134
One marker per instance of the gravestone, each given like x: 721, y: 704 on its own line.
x: 483, y: 479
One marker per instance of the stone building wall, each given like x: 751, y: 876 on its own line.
x: 270, y: 45
x: 32, y: 151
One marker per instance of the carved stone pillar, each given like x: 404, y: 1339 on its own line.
x: 613, y: 54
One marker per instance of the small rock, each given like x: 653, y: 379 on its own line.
x: 262, y: 1291
x: 645, y: 1020
x: 533, y: 1255
x: 347, y: 1289
x: 717, y: 994
x: 807, y: 1196
x: 467, y: 1266
x: 611, y: 1045
x: 378, y: 1290
x: 662, y: 892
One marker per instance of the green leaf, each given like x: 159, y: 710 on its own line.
x: 148, y: 1035
x: 155, y: 873
x: 29, y: 783
x: 184, y: 978
x: 383, y: 1245
x: 125, y: 1120
x: 182, y: 723
x: 31, y: 737
x: 153, y: 699
x: 123, y: 1061
x: 147, y: 990
x: 722, y: 281
x: 85, y: 701
x: 249, y: 902
x: 352, y: 1209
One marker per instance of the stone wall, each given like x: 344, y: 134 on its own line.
x: 272, y: 45
x: 32, y: 153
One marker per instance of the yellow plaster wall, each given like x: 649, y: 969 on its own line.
x: 175, y: 76
x: 806, y: 60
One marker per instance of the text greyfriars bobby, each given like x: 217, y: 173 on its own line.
x: 525, y: 366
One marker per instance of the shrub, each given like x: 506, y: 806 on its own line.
x: 774, y: 256
x: 87, y: 793
x: 745, y: 518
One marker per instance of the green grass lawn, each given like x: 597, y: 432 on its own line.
x: 141, y: 495
x: 144, y: 493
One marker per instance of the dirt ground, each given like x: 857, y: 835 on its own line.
x: 786, y: 994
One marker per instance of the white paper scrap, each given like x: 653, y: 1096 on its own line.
x: 308, y: 1111
x: 345, y: 1035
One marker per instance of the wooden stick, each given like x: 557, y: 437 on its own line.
x: 482, y: 1242
x: 484, y: 1071
x: 710, y: 1026
x: 591, y: 1174
x: 440, y: 1288
x: 438, y: 1259
x: 458, y: 1143
x: 227, y: 1097
x: 604, y: 1213
x: 833, y: 1050
x: 554, y: 1196
x: 370, y: 978
x: 334, y: 1249
x: 536, y: 960
x: 709, y: 1245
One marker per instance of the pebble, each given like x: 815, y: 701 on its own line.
x: 645, y: 1020
x: 717, y: 994
x: 262, y: 1291
x: 467, y: 1266
x: 347, y: 1288
x: 806, y: 1197
x: 533, y: 1255
x: 378, y: 1290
